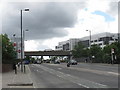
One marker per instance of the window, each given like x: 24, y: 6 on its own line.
x: 95, y: 40
x: 100, y: 39
x: 91, y: 41
x: 100, y: 43
x: 111, y: 38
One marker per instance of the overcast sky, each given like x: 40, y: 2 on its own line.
x: 52, y: 22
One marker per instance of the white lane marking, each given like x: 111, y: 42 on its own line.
x: 59, y: 68
x: 61, y: 72
x: 68, y: 74
x: 59, y: 76
x: 113, y: 73
x: 83, y: 85
x: 99, y: 84
x: 94, y: 71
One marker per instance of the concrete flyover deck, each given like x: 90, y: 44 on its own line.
x: 48, y: 53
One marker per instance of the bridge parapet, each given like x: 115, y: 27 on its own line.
x: 47, y: 53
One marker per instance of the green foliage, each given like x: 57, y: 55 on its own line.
x: 27, y: 58
x: 96, y: 51
x: 101, y: 55
x: 78, y: 51
x: 107, y: 51
x: 8, y: 51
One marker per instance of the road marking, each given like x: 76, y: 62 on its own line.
x: 61, y: 72
x: 83, y: 85
x: 113, y: 73
x: 100, y: 84
x: 68, y: 74
x: 59, y: 76
x: 83, y: 82
x: 93, y: 71
x: 59, y: 68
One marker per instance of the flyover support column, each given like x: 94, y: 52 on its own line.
x: 69, y: 57
x: 41, y: 58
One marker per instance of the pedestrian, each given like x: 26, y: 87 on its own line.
x: 24, y: 68
x: 86, y: 60
x: 18, y: 65
x: 15, y: 68
x: 68, y: 64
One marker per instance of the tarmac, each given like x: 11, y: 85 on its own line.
x: 19, y: 80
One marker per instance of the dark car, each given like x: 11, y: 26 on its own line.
x: 47, y: 61
x: 26, y: 61
x: 73, y: 62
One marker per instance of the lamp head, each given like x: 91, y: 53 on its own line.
x: 27, y: 30
x: 27, y: 9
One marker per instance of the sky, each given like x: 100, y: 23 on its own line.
x: 53, y: 21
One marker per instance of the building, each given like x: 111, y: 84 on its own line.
x: 67, y: 45
x: 101, y: 39
x: 17, y: 45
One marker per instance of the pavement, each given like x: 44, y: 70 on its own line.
x: 19, y: 80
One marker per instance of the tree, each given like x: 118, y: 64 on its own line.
x: 8, y: 51
x: 80, y: 51
x: 107, y: 52
x: 97, y: 53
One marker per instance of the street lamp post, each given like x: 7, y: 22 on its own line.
x: 118, y: 37
x: 90, y: 38
x: 90, y: 43
x: 22, y: 40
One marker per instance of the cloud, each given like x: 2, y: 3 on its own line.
x: 53, y: 22
x: 33, y: 45
x: 44, y: 21
x: 113, y: 8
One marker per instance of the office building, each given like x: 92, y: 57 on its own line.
x: 101, y: 39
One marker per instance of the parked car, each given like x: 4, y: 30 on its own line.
x: 57, y: 61
x: 39, y: 61
x: 26, y: 62
x: 47, y: 61
x: 73, y: 62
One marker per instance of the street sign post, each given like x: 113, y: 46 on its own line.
x: 112, y: 55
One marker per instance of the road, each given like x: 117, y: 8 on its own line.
x: 82, y: 75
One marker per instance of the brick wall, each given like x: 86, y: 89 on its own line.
x: 6, y: 67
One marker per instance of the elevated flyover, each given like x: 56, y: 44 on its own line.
x: 47, y: 53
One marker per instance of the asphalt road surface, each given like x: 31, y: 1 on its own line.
x: 83, y: 75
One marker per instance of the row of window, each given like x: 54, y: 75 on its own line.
x: 107, y: 39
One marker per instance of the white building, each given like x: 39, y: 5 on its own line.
x: 101, y: 39
x: 67, y: 45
